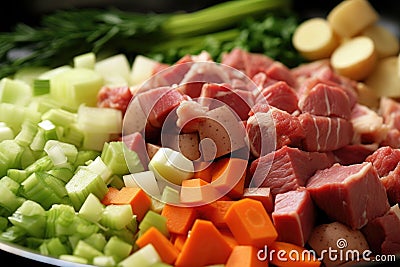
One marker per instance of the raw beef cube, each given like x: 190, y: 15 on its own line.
x: 294, y: 216
x: 325, y: 100
x: 325, y: 133
x: 350, y: 194
x: 280, y: 95
x: 260, y: 127
x: 280, y: 72
x: 383, y: 233
x: 391, y: 182
x: 384, y: 159
x: 287, y: 169
x: 354, y: 153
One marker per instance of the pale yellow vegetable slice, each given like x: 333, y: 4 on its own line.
x: 350, y: 17
x: 315, y: 39
x: 385, y: 79
x: 355, y: 58
x: 386, y: 43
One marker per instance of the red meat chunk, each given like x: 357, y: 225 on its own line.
x: 325, y: 133
x: 280, y: 95
x: 287, y: 168
x: 117, y: 98
x: 294, y: 216
x: 325, y: 100
x: 383, y: 234
x: 352, y: 194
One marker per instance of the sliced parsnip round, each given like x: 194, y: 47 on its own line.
x: 350, y: 17
x: 386, y: 43
x: 336, y: 236
x: 385, y: 79
x: 315, y: 39
x: 355, y: 58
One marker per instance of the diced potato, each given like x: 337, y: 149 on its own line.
x: 337, y: 236
x: 315, y: 39
x: 142, y: 69
x: 385, y: 79
x: 350, y: 17
x: 367, y: 96
x: 355, y: 58
x: 386, y: 43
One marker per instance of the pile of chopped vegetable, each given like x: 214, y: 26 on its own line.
x: 84, y: 175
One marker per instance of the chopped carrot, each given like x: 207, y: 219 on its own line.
x: 203, y: 170
x: 228, y: 236
x: 166, y: 250
x: 250, y: 223
x: 229, y: 176
x: 262, y: 194
x: 204, y: 246
x: 179, y: 219
x: 179, y: 241
x: 196, y: 191
x: 136, y: 197
x: 215, y: 212
x: 109, y: 196
x: 245, y: 256
x: 284, y: 254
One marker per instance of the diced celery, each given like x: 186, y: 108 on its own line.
x: 144, y: 257
x: 156, y: 205
x: 117, y: 248
x: 27, y: 157
x: 73, y: 240
x: 51, y: 132
x: 82, y: 184
x: 170, y: 195
x: 63, y: 174
x: 117, y: 182
x: 10, y: 183
x: 124, y: 233
x: 92, y: 209
x: 96, y: 240
x: 44, y: 103
x: 72, y: 135
x: 116, y: 216
x: 42, y: 188
x: 13, y: 234
x: 12, y: 152
x: 42, y: 164
x: 116, y: 155
x: 3, y: 224
x: 54, y: 72
x: 154, y: 219
x: 163, y: 264
x: 84, y: 156
x: 15, y: 92
x: 72, y: 258
x: 57, y: 155
x: 6, y: 133
x: 14, y: 115
x: 9, y: 200
x: 83, y: 227
x: 27, y: 133
x: 69, y: 150
x: 17, y: 175
x: 60, y: 117
x: 38, y: 141
x: 94, y: 140
x: 75, y: 87
x: 133, y: 225
x: 99, y: 120
x: 29, y: 74
x: 59, y: 221
x: 41, y: 87
x: 104, y: 261
x: 31, y: 217
x: 115, y: 70
x: 99, y: 167
x: 53, y: 247
x: 85, y: 61
x: 86, y: 251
